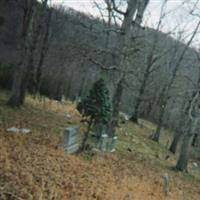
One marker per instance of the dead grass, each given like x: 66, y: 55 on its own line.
x: 34, y: 167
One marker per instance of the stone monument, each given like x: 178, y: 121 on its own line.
x: 166, y: 183
x: 103, y: 142
x: 70, y: 140
x: 113, y: 144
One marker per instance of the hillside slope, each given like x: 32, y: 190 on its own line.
x: 34, y: 166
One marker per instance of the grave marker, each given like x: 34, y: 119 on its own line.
x: 166, y: 184
x: 113, y: 144
x: 103, y: 142
x: 70, y: 140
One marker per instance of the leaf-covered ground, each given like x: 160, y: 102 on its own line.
x: 34, y: 166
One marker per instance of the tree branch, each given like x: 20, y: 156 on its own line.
x: 116, y: 9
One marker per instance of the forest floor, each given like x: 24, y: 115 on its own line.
x: 33, y: 166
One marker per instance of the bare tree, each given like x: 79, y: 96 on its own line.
x: 29, y: 39
x: 128, y: 28
x: 191, y: 124
x: 179, y: 129
x: 184, y: 111
x: 165, y: 95
x: 17, y: 95
x: 150, y: 65
x: 44, y: 48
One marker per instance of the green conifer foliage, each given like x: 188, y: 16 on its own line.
x: 97, y: 104
x: 96, y: 107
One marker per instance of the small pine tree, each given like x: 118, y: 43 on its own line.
x: 96, y: 106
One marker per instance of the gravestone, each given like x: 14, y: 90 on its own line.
x: 166, y: 183
x: 113, y: 144
x: 17, y: 130
x: 25, y: 130
x: 123, y: 117
x: 103, y: 142
x: 70, y: 140
x: 13, y: 130
x: 194, y: 166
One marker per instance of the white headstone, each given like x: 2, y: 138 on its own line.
x: 13, y: 130
x: 103, y: 142
x: 113, y: 144
x: 25, y: 130
x: 70, y: 139
x: 194, y: 165
x: 63, y: 99
x: 166, y: 183
x: 17, y: 130
x: 123, y: 117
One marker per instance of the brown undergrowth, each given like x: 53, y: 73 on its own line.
x: 34, y: 166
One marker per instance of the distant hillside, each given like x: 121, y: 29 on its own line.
x: 78, y: 43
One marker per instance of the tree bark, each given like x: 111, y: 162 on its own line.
x: 124, y: 40
x: 184, y: 155
x: 150, y: 60
x: 180, y: 127
x: 18, y: 86
x: 43, y: 53
x: 185, y: 107
x: 16, y: 99
x: 175, y: 142
x: 124, y: 43
x: 191, y: 124
x: 86, y: 135
x: 156, y: 135
x: 134, y: 117
x: 141, y: 8
x: 70, y: 82
x: 116, y: 106
x: 194, y: 140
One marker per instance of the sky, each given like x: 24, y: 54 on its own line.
x: 178, y: 14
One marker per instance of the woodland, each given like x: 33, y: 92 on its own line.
x: 109, y: 74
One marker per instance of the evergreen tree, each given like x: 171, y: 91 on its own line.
x: 96, y: 106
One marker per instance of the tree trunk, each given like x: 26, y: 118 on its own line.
x: 18, y: 85
x: 184, y: 154
x: 116, y: 106
x: 134, y: 117
x: 179, y: 130
x: 194, y: 140
x: 59, y: 91
x: 21, y: 78
x: 187, y: 139
x: 156, y: 135
x: 83, y: 80
x: 175, y: 142
x: 16, y: 98
x: 148, y: 70
x: 85, y: 137
x: 141, y: 9
x: 124, y: 43
x: 43, y: 53
x: 70, y: 83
